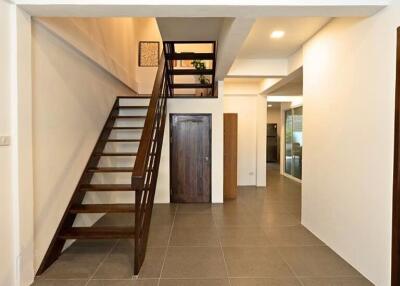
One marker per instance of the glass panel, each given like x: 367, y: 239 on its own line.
x: 288, y: 141
x: 297, y: 145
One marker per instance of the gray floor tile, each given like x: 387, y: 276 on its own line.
x: 59, y: 283
x: 265, y: 281
x: 159, y: 236
x: 336, y: 281
x: 279, y: 219
x: 194, y: 236
x: 316, y: 261
x: 153, y: 262
x: 242, y: 236
x: 291, y: 236
x: 140, y: 282
x: 194, y: 262
x: 195, y: 208
x: 194, y: 282
x: 77, y: 263
x: 255, y: 262
x: 117, y: 265
x: 193, y: 220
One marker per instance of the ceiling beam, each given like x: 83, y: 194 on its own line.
x: 207, y: 8
x: 232, y: 35
x: 286, y: 81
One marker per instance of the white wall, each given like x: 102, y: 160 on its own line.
x: 215, y: 108
x: 7, y: 257
x: 252, y: 114
x: 72, y: 97
x: 349, y: 80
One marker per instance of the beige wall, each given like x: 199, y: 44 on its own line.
x: 7, y: 257
x: 71, y: 99
x: 112, y: 43
x: 146, y: 30
x: 349, y: 79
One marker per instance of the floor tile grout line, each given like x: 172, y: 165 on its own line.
x: 102, y: 262
x: 168, y: 243
x: 288, y: 265
x: 223, y: 254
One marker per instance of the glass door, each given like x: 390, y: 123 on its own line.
x: 294, y: 141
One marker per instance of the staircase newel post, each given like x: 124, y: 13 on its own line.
x: 136, y: 260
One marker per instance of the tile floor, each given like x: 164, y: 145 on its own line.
x: 252, y: 241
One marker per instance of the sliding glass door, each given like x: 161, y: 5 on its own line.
x: 293, y: 141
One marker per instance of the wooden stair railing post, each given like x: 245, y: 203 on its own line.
x: 145, y: 170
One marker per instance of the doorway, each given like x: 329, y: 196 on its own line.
x: 190, y: 153
x: 294, y: 142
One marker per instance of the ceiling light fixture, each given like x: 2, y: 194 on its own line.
x: 269, y: 105
x: 277, y: 34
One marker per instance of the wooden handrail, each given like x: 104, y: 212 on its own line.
x: 139, y: 170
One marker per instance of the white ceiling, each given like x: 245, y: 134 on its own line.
x: 190, y: 29
x: 297, y: 31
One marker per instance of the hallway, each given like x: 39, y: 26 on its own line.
x: 255, y: 240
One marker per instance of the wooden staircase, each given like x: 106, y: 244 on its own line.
x: 146, y: 116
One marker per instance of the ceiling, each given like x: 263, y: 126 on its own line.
x: 243, y: 80
x: 190, y: 29
x: 297, y: 31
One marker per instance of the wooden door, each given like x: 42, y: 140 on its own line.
x: 190, y: 158
x: 230, y: 155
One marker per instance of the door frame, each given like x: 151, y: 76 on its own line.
x: 396, y: 176
x: 171, y: 115
x: 290, y: 176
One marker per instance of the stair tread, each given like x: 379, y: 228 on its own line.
x: 122, y: 140
x: 130, y: 116
x: 191, y: 71
x: 115, y: 154
x: 107, y: 187
x: 98, y: 232
x: 132, y: 107
x: 103, y: 208
x: 111, y: 169
x: 134, y: 97
x: 191, y: 85
x: 125, y: 127
x: 190, y: 56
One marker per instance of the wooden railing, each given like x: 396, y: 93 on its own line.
x: 145, y: 171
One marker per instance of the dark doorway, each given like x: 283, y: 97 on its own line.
x: 272, y: 143
x: 396, y: 177
x: 190, y: 153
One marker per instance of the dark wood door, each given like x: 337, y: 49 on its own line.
x: 230, y: 155
x: 190, y: 158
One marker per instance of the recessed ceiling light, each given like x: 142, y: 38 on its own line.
x: 269, y: 105
x: 277, y: 34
